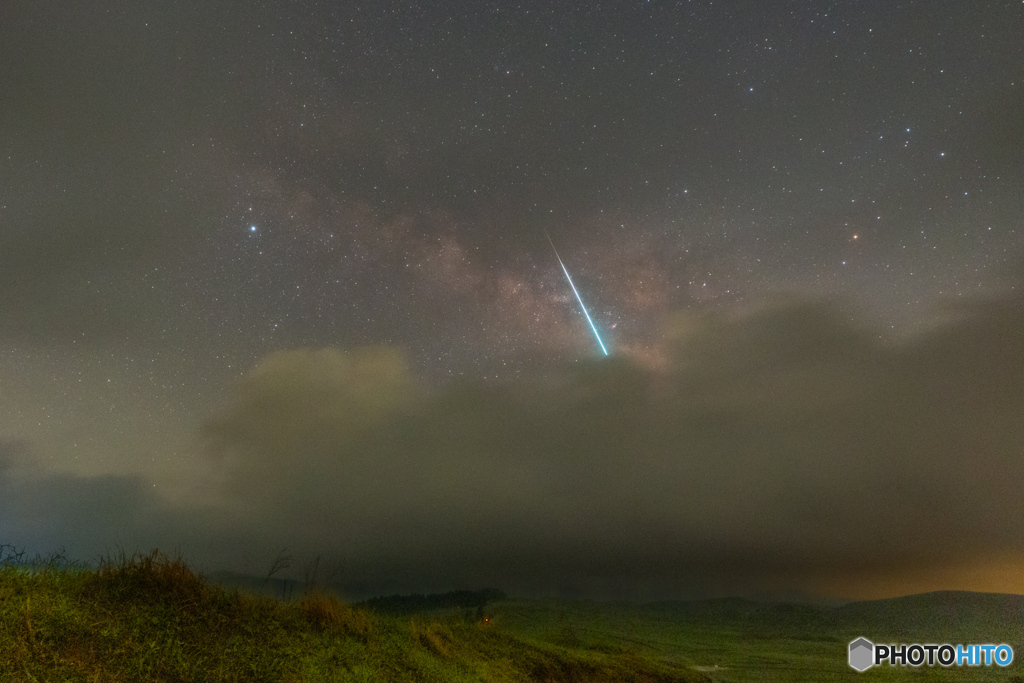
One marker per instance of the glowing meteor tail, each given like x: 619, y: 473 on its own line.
x: 576, y: 292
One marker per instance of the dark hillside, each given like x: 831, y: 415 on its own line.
x: 151, y: 618
x: 937, y: 615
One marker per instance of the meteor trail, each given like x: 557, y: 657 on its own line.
x: 574, y: 290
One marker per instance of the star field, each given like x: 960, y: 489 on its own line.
x: 721, y: 153
x: 239, y: 180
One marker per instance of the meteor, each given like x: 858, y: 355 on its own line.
x: 576, y: 292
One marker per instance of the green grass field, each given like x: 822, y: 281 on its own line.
x: 150, y: 618
x: 741, y: 640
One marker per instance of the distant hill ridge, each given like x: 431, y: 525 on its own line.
x: 409, y: 604
x: 934, y: 614
x: 956, y: 609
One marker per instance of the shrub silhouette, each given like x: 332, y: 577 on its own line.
x: 148, y: 578
x: 326, y: 611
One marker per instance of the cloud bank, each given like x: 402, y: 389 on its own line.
x: 777, y: 448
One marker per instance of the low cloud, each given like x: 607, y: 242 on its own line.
x: 774, y: 449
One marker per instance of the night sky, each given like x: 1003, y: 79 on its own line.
x: 277, y: 275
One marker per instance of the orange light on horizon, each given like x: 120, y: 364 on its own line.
x: 990, y: 575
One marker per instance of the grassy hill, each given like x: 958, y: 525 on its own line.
x: 975, y: 617
x: 738, y: 640
x: 150, y: 618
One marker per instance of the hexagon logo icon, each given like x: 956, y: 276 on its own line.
x: 862, y: 654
